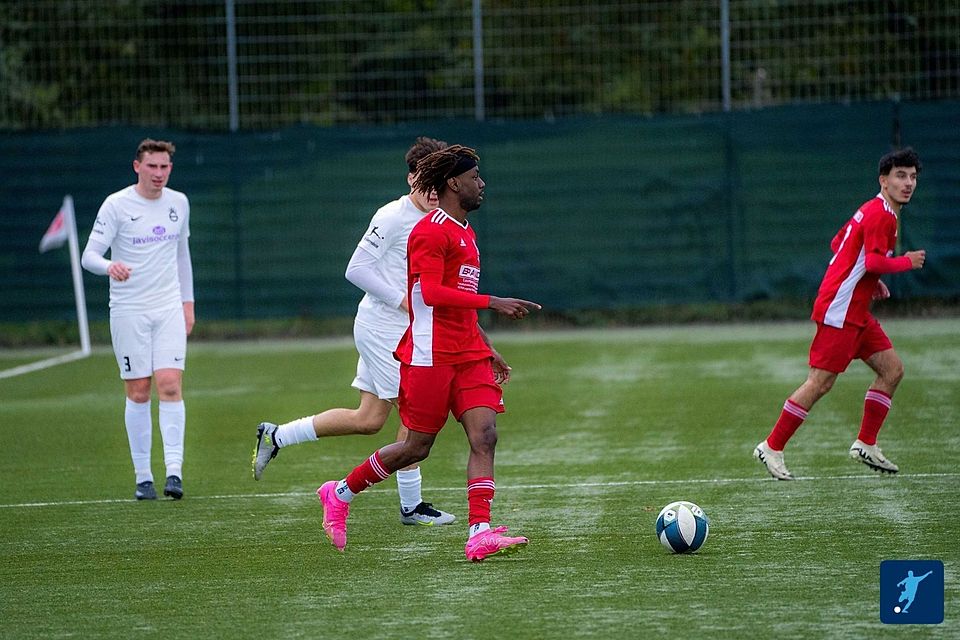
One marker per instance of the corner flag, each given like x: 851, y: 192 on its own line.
x: 63, y: 229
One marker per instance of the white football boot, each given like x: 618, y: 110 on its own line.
x: 266, y: 449
x: 870, y: 455
x: 772, y: 460
x: 426, y: 514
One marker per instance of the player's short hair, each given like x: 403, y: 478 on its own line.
x: 422, y: 147
x: 905, y: 157
x: 434, y: 170
x: 154, y: 146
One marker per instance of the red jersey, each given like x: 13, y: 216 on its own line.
x: 862, y: 251
x: 443, y: 274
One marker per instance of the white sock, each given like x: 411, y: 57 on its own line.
x: 173, y: 418
x: 480, y: 527
x: 300, y: 430
x: 408, y: 484
x: 343, y: 491
x: 136, y: 417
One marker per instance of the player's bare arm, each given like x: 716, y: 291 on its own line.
x: 513, y: 307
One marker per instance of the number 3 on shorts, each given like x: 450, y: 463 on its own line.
x: 126, y: 363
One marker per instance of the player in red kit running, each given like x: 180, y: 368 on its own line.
x: 862, y: 252
x: 446, y: 361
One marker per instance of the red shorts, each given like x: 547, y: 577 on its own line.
x: 834, y: 349
x: 429, y: 394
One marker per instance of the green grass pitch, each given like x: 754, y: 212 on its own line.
x: 602, y: 429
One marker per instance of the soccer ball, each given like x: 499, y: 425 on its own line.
x: 682, y: 527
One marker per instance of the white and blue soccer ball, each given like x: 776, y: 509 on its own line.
x: 682, y: 527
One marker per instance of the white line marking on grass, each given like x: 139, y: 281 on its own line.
x: 70, y: 503
x: 512, y: 487
x: 43, y: 364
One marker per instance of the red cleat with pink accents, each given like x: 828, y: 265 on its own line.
x: 491, y: 543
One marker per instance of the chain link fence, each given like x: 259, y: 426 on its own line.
x: 245, y: 64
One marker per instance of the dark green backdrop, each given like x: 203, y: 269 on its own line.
x: 579, y: 214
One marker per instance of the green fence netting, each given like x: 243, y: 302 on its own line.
x: 604, y: 213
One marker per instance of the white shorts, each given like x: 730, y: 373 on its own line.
x: 149, y: 341
x: 377, y: 370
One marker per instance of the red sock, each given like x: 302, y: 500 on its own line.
x: 479, y: 496
x: 368, y: 473
x: 876, y: 406
x: 790, y: 420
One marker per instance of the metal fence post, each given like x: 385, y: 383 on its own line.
x: 478, y: 97
x: 233, y: 90
x: 233, y: 95
x: 725, y: 52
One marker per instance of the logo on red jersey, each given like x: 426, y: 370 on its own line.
x: 469, y: 278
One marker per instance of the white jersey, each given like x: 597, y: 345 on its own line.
x: 144, y: 234
x: 386, y: 240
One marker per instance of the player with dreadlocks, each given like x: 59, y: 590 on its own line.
x: 446, y: 361
x: 378, y: 267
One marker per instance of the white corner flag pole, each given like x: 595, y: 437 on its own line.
x: 70, y: 223
x: 78, y: 292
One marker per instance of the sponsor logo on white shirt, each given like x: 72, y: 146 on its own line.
x: 159, y: 235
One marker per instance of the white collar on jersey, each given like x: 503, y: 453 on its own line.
x: 438, y: 216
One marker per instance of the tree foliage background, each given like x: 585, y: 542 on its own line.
x: 160, y: 62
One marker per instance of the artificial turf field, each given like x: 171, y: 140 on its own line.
x: 602, y: 429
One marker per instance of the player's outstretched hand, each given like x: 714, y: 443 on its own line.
x: 917, y: 258
x: 513, y: 307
